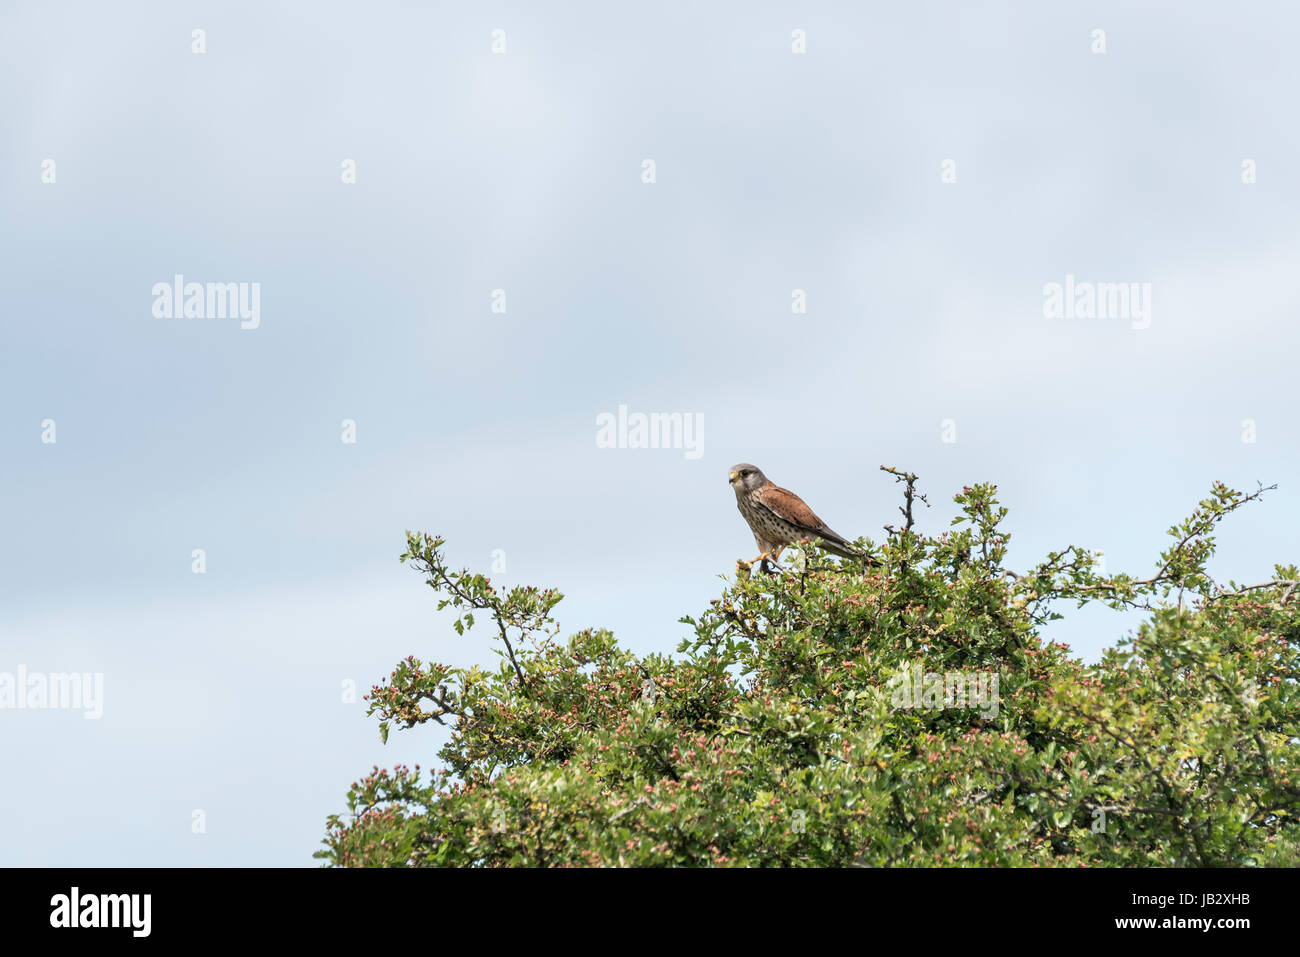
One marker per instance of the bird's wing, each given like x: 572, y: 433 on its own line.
x: 785, y: 504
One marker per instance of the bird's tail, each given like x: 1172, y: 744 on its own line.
x: 843, y: 550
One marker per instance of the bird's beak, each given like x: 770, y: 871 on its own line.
x: 733, y: 477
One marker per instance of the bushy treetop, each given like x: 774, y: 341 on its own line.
x: 905, y: 713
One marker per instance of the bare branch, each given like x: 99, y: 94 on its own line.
x: 909, y: 494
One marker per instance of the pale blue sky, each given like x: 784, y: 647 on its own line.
x: 522, y: 171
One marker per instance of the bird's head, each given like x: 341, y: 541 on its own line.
x: 745, y: 477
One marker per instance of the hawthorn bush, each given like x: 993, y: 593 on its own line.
x: 824, y: 716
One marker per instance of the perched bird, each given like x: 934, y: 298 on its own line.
x: 778, y: 517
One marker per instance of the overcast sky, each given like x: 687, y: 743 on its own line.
x: 525, y: 171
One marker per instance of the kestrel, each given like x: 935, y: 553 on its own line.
x: 778, y: 517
